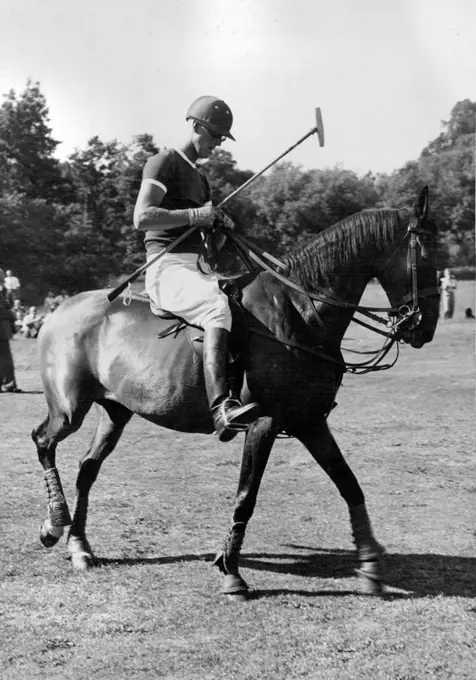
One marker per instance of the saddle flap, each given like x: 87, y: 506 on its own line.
x: 161, y: 313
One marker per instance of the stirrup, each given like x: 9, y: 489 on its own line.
x: 245, y: 415
x: 227, y: 428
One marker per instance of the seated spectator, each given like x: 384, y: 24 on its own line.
x: 19, y: 313
x: 32, y: 323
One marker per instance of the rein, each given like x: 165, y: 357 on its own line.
x: 249, y: 251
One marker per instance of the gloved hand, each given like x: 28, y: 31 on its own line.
x: 208, y: 217
x: 203, y: 217
x: 223, y: 221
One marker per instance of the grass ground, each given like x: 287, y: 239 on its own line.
x: 161, y: 506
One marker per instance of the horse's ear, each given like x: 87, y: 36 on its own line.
x: 421, y: 206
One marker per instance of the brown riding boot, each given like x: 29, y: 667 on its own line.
x: 229, y: 414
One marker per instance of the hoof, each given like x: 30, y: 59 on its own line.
x: 369, y: 578
x: 49, y: 535
x: 47, y: 539
x: 234, y: 588
x: 82, y: 561
x: 239, y: 597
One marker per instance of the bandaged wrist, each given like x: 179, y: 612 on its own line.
x: 193, y: 216
x: 200, y: 217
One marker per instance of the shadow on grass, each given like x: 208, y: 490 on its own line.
x: 418, y: 575
x: 20, y: 393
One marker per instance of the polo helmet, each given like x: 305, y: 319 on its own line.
x: 212, y: 113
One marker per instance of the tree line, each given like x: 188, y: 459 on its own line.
x: 68, y: 224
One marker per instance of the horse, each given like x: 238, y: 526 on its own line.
x: 123, y: 359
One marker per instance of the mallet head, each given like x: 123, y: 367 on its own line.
x: 319, y: 126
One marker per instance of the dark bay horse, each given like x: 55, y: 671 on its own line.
x: 92, y: 351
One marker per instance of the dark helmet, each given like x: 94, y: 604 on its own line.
x: 212, y: 113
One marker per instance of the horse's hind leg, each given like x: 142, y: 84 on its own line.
x: 258, y: 444
x: 57, y: 426
x: 113, y: 418
x: 323, y: 448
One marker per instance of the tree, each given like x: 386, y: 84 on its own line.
x: 447, y: 165
x: 96, y: 174
x: 27, y: 164
x: 292, y: 204
x: 49, y: 246
x: 132, y: 241
x: 399, y: 189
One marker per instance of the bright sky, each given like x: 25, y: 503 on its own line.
x: 384, y: 72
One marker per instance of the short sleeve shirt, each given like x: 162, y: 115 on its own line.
x: 185, y: 186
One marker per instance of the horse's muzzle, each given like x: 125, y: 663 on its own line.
x: 417, y: 338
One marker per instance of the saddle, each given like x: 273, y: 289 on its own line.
x: 233, y: 289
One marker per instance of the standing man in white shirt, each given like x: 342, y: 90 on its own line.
x: 12, y: 287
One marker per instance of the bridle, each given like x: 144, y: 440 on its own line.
x: 405, y: 314
x: 412, y: 313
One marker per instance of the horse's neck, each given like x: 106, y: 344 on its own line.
x: 342, y: 277
x: 346, y: 282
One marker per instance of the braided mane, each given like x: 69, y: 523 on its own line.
x: 352, y: 239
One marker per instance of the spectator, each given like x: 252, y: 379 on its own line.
x: 61, y: 297
x: 49, y: 303
x: 468, y: 312
x: 19, y: 314
x: 12, y: 287
x: 448, y: 287
x: 7, y: 369
x: 32, y: 323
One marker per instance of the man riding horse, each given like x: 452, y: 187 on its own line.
x: 174, y: 195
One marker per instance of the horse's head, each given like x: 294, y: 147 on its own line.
x: 409, y: 276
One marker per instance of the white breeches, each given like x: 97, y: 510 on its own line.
x: 174, y: 283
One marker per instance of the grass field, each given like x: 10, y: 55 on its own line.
x: 162, y: 505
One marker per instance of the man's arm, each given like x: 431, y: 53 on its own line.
x: 149, y: 215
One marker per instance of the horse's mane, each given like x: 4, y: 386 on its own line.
x: 343, y: 242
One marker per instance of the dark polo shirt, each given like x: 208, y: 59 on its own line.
x: 186, y: 186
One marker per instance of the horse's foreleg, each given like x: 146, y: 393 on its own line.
x: 323, y: 448
x: 46, y: 437
x: 258, y: 443
x: 112, y: 419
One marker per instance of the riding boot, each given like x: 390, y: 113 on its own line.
x: 229, y: 414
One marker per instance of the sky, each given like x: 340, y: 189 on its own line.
x: 385, y: 73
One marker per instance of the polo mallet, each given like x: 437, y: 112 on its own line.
x: 318, y: 129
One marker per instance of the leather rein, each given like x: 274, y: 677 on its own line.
x: 398, y: 315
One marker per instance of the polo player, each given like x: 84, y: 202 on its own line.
x: 174, y: 195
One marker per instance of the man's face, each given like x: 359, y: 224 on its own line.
x: 9, y: 272
x: 205, y: 141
